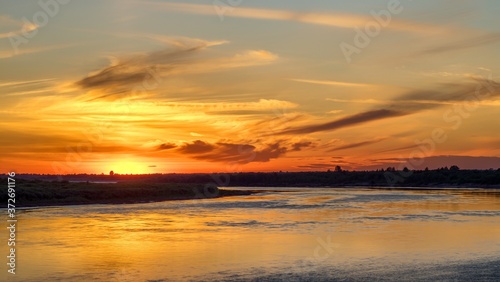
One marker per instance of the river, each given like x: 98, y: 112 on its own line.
x: 290, y: 234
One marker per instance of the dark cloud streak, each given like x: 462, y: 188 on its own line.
x: 347, y: 121
x: 358, y: 144
x: 411, y: 102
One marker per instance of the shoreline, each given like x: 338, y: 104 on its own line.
x: 43, y: 193
x: 224, y: 192
x: 36, y: 193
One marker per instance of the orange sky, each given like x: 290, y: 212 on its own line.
x: 162, y: 86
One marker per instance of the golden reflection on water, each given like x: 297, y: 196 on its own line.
x: 177, y: 240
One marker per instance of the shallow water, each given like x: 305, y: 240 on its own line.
x: 297, y: 234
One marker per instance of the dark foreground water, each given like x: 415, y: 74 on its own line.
x: 298, y: 235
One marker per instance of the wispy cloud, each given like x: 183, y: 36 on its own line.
x: 448, y: 93
x: 347, y: 121
x: 21, y: 27
x: 358, y: 101
x: 400, y: 148
x: 357, y: 144
x: 7, y: 20
x: 123, y: 75
x: 260, y: 105
x: 27, y: 87
x: 341, y: 20
x: 316, y: 166
x: 468, y: 43
x: 332, y: 83
x: 30, y: 92
x: 410, y: 103
x: 24, y: 51
x: 334, y: 112
x: 24, y: 82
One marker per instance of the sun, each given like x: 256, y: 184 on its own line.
x: 128, y: 166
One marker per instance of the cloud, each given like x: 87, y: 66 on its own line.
x: 463, y: 44
x: 332, y: 83
x: 25, y: 51
x: 299, y: 145
x: 22, y: 27
x: 120, y: 76
x: 341, y: 20
x: 25, y: 82
x: 197, y: 147
x: 7, y: 20
x: 326, y: 166
x: 347, y: 121
x: 334, y: 112
x: 241, y: 153
x: 144, y: 72
x: 318, y: 166
x: 180, y: 42
x: 34, y: 139
x: 27, y: 87
x: 357, y: 144
x: 452, y: 92
x: 166, y: 146
x: 400, y: 148
x: 358, y: 101
x: 31, y: 92
x: 258, y: 106
x: 411, y: 102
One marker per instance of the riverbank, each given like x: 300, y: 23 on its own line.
x: 34, y: 193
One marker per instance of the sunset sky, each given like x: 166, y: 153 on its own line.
x: 238, y: 85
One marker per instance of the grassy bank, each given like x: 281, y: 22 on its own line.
x: 31, y: 193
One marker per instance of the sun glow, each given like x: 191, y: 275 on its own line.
x: 128, y: 166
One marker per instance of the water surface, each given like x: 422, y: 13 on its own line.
x: 296, y: 234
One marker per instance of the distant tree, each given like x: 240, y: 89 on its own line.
x: 426, y: 169
x: 338, y: 169
x: 111, y: 173
x: 405, y: 169
x: 454, y: 168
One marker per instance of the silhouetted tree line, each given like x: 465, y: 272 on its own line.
x: 441, y: 177
x: 421, y: 178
